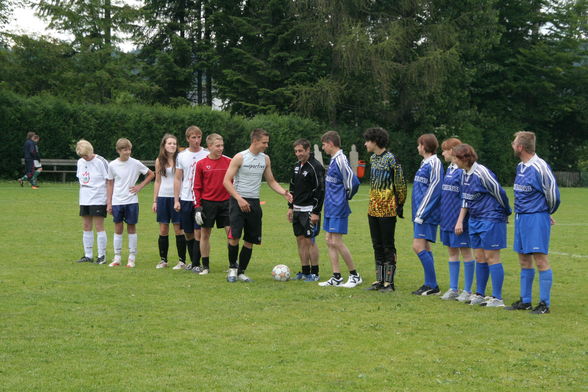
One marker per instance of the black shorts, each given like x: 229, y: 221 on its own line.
x: 215, y: 211
x: 302, y: 224
x: 93, y: 211
x: 246, y: 223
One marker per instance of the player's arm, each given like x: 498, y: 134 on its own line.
x: 271, y: 181
x: 198, y: 185
x: 234, y: 166
x: 489, y: 181
x: 109, y: 190
x: 459, y: 224
x: 432, y: 194
x: 318, y: 193
x: 149, y: 175
x: 346, y: 172
x: 178, y: 187
x: 550, y: 189
x: 157, y: 185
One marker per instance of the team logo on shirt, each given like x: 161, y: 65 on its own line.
x: 85, y: 177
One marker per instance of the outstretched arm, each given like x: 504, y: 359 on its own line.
x: 271, y: 181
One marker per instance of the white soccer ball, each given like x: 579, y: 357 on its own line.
x: 281, y: 273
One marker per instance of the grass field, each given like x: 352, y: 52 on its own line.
x: 71, y: 327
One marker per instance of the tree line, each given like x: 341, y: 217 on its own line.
x: 476, y: 69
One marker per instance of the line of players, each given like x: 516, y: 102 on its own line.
x: 199, y: 187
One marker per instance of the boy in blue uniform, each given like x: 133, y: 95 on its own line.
x: 426, y: 194
x: 450, y: 209
x: 338, y: 184
x: 487, y: 205
x: 536, y: 198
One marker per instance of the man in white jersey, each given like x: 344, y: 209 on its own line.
x: 184, y: 193
x: 242, y: 181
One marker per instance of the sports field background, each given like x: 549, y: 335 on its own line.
x: 71, y: 327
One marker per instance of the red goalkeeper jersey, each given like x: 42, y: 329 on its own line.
x: 208, y: 180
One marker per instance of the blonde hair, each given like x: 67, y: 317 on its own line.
x: 193, y: 129
x: 84, y: 148
x: 212, y: 138
x: 122, y: 143
x: 527, y: 140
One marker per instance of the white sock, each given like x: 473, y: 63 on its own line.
x: 88, y: 241
x: 132, y: 246
x: 101, y: 239
x: 117, y: 244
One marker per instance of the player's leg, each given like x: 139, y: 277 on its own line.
x: 336, y: 279
x: 251, y: 235
x: 482, y: 275
x: 303, y: 246
x: 163, y: 244
x: 187, y: 224
x: 236, y: 222
x: 101, y: 238
x: 469, y: 266
x: 422, y: 248
x: 87, y: 235
x: 545, y: 283
x: 453, y: 253
x: 378, y: 247
x: 387, y: 234
x: 117, y: 218
x: 132, y: 218
x: 354, y: 277
x: 205, y: 233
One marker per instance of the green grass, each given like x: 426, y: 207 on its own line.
x: 70, y: 327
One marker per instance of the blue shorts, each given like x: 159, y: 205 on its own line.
x: 452, y: 240
x: 487, y: 235
x: 532, y: 232
x: 335, y: 225
x: 128, y: 213
x: 187, y: 222
x: 166, y: 212
x: 425, y: 231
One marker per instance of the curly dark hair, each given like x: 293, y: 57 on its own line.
x: 377, y: 135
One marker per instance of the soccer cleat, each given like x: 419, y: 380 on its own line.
x: 101, y: 260
x: 332, y: 282
x: 300, y: 276
x: 130, y: 263
x: 180, y: 266
x: 188, y: 267
x: 232, y: 276
x: 464, y: 296
x: 387, y: 287
x: 197, y: 269
x: 244, y: 278
x: 519, y: 305
x: 493, y: 303
x: 542, y: 308
x: 450, y: 295
x: 34, y: 187
x: 375, y: 286
x: 353, y: 281
x: 312, y: 278
x: 476, y: 299
x: 115, y: 263
x: 425, y: 290
x: 205, y: 271
x: 162, y: 264
x: 85, y: 260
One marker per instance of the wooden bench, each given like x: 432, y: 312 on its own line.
x: 65, y: 166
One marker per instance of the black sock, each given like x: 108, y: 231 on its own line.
x: 337, y: 275
x: 233, y: 255
x: 306, y: 269
x: 196, y: 253
x: 244, y: 258
x: 190, y: 247
x: 163, y: 243
x: 314, y: 269
x: 206, y: 262
x: 181, y: 245
x: 354, y: 272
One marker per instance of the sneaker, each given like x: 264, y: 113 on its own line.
x: 244, y: 278
x: 450, y: 295
x: 375, y: 286
x: 426, y: 290
x: 476, y: 299
x: 494, y: 303
x: 85, y: 260
x: 387, y: 287
x: 162, y: 264
x: 520, y: 305
x: 486, y: 300
x: 232, y: 276
x: 354, y: 280
x: 332, y: 282
x: 197, y: 269
x: 300, y: 276
x: 20, y: 181
x: 180, y: 266
x: 464, y: 296
x: 35, y: 187
x: 101, y: 260
x: 205, y: 271
x: 115, y: 263
x: 188, y: 267
x: 130, y: 263
x: 542, y: 308
x: 312, y: 278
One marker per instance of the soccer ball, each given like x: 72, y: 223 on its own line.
x: 281, y: 273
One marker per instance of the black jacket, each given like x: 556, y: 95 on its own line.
x: 307, y: 185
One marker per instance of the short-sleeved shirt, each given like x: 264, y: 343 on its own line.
x: 92, y: 176
x: 125, y: 175
x: 187, y: 162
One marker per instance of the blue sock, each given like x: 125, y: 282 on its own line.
x: 432, y: 274
x: 428, y: 265
x: 527, y: 276
x: 453, y: 274
x: 468, y: 274
x: 545, y: 282
x: 497, y: 274
x: 482, y: 273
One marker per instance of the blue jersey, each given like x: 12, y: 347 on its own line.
x: 451, y: 198
x: 483, y: 196
x: 338, y: 183
x: 535, y: 188
x: 426, y: 191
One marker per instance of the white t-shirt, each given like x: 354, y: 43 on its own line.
x: 187, y: 162
x: 166, y: 188
x: 92, y: 177
x: 125, y: 175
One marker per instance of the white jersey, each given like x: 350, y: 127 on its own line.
x: 187, y: 162
x: 166, y: 188
x: 92, y: 177
x: 248, y: 178
x: 125, y: 175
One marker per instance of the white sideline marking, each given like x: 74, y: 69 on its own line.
x: 568, y: 254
